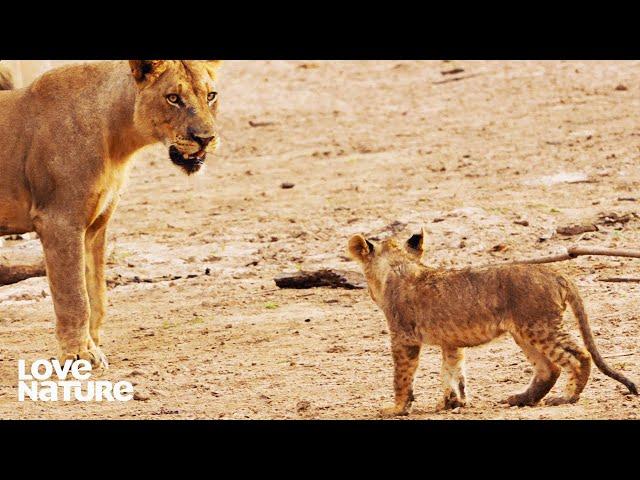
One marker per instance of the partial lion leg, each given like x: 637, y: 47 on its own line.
x: 545, y: 376
x: 405, y: 360
x: 65, y: 262
x: 453, y: 379
x: 576, y: 361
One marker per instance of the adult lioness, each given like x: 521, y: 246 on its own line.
x: 65, y: 144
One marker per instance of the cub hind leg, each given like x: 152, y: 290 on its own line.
x: 453, y: 379
x: 575, y: 360
x: 546, y: 374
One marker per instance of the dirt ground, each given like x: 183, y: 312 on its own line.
x: 375, y: 147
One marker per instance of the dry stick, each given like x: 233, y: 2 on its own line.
x: 574, y: 252
x: 620, y: 279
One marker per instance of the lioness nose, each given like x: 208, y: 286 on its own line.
x: 202, y: 141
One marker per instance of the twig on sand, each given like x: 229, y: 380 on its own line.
x: 623, y: 354
x: 455, y: 79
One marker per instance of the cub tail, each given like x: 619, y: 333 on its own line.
x: 574, y: 299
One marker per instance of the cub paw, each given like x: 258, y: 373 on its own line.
x: 555, y: 401
x: 450, y: 402
x: 395, y: 411
x: 520, y: 400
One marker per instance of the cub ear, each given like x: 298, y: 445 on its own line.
x: 144, y: 70
x: 359, y: 247
x: 416, y: 242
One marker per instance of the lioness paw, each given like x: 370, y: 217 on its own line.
x: 93, y: 355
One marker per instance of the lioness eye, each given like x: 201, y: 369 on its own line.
x: 212, y: 96
x: 173, y: 99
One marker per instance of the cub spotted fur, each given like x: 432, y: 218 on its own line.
x: 464, y: 308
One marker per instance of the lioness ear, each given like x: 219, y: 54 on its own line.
x: 416, y: 242
x: 212, y: 67
x: 359, y: 247
x: 144, y: 70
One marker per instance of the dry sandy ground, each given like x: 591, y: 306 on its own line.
x: 374, y: 147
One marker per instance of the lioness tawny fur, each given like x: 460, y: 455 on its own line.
x: 66, y: 144
x: 464, y: 308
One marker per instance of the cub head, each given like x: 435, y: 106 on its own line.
x: 176, y: 104
x: 379, y: 258
x: 370, y: 253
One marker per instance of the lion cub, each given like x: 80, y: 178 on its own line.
x: 464, y: 308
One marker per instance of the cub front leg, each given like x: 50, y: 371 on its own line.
x: 453, y: 379
x: 64, y: 252
x: 405, y: 363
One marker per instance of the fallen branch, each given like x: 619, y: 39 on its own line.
x: 321, y: 278
x: 573, y: 252
x: 620, y: 279
x: 17, y: 273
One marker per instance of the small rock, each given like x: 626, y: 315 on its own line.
x: 287, y: 185
x: 524, y: 223
x: 303, y: 406
x: 576, y: 229
x: 141, y: 397
x: 621, y: 88
x: 501, y: 247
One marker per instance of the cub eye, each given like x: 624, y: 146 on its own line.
x: 211, y: 96
x: 173, y: 99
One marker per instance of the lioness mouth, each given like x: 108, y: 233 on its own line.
x: 190, y: 164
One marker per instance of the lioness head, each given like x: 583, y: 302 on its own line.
x: 176, y: 104
x: 378, y: 258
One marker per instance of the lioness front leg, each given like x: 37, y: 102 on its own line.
x: 96, y: 283
x: 95, y: 244
x: 405, y: 362
x: 453, y: 379
x: 64, y: 252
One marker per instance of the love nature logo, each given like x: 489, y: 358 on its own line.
x: 48, y: 381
